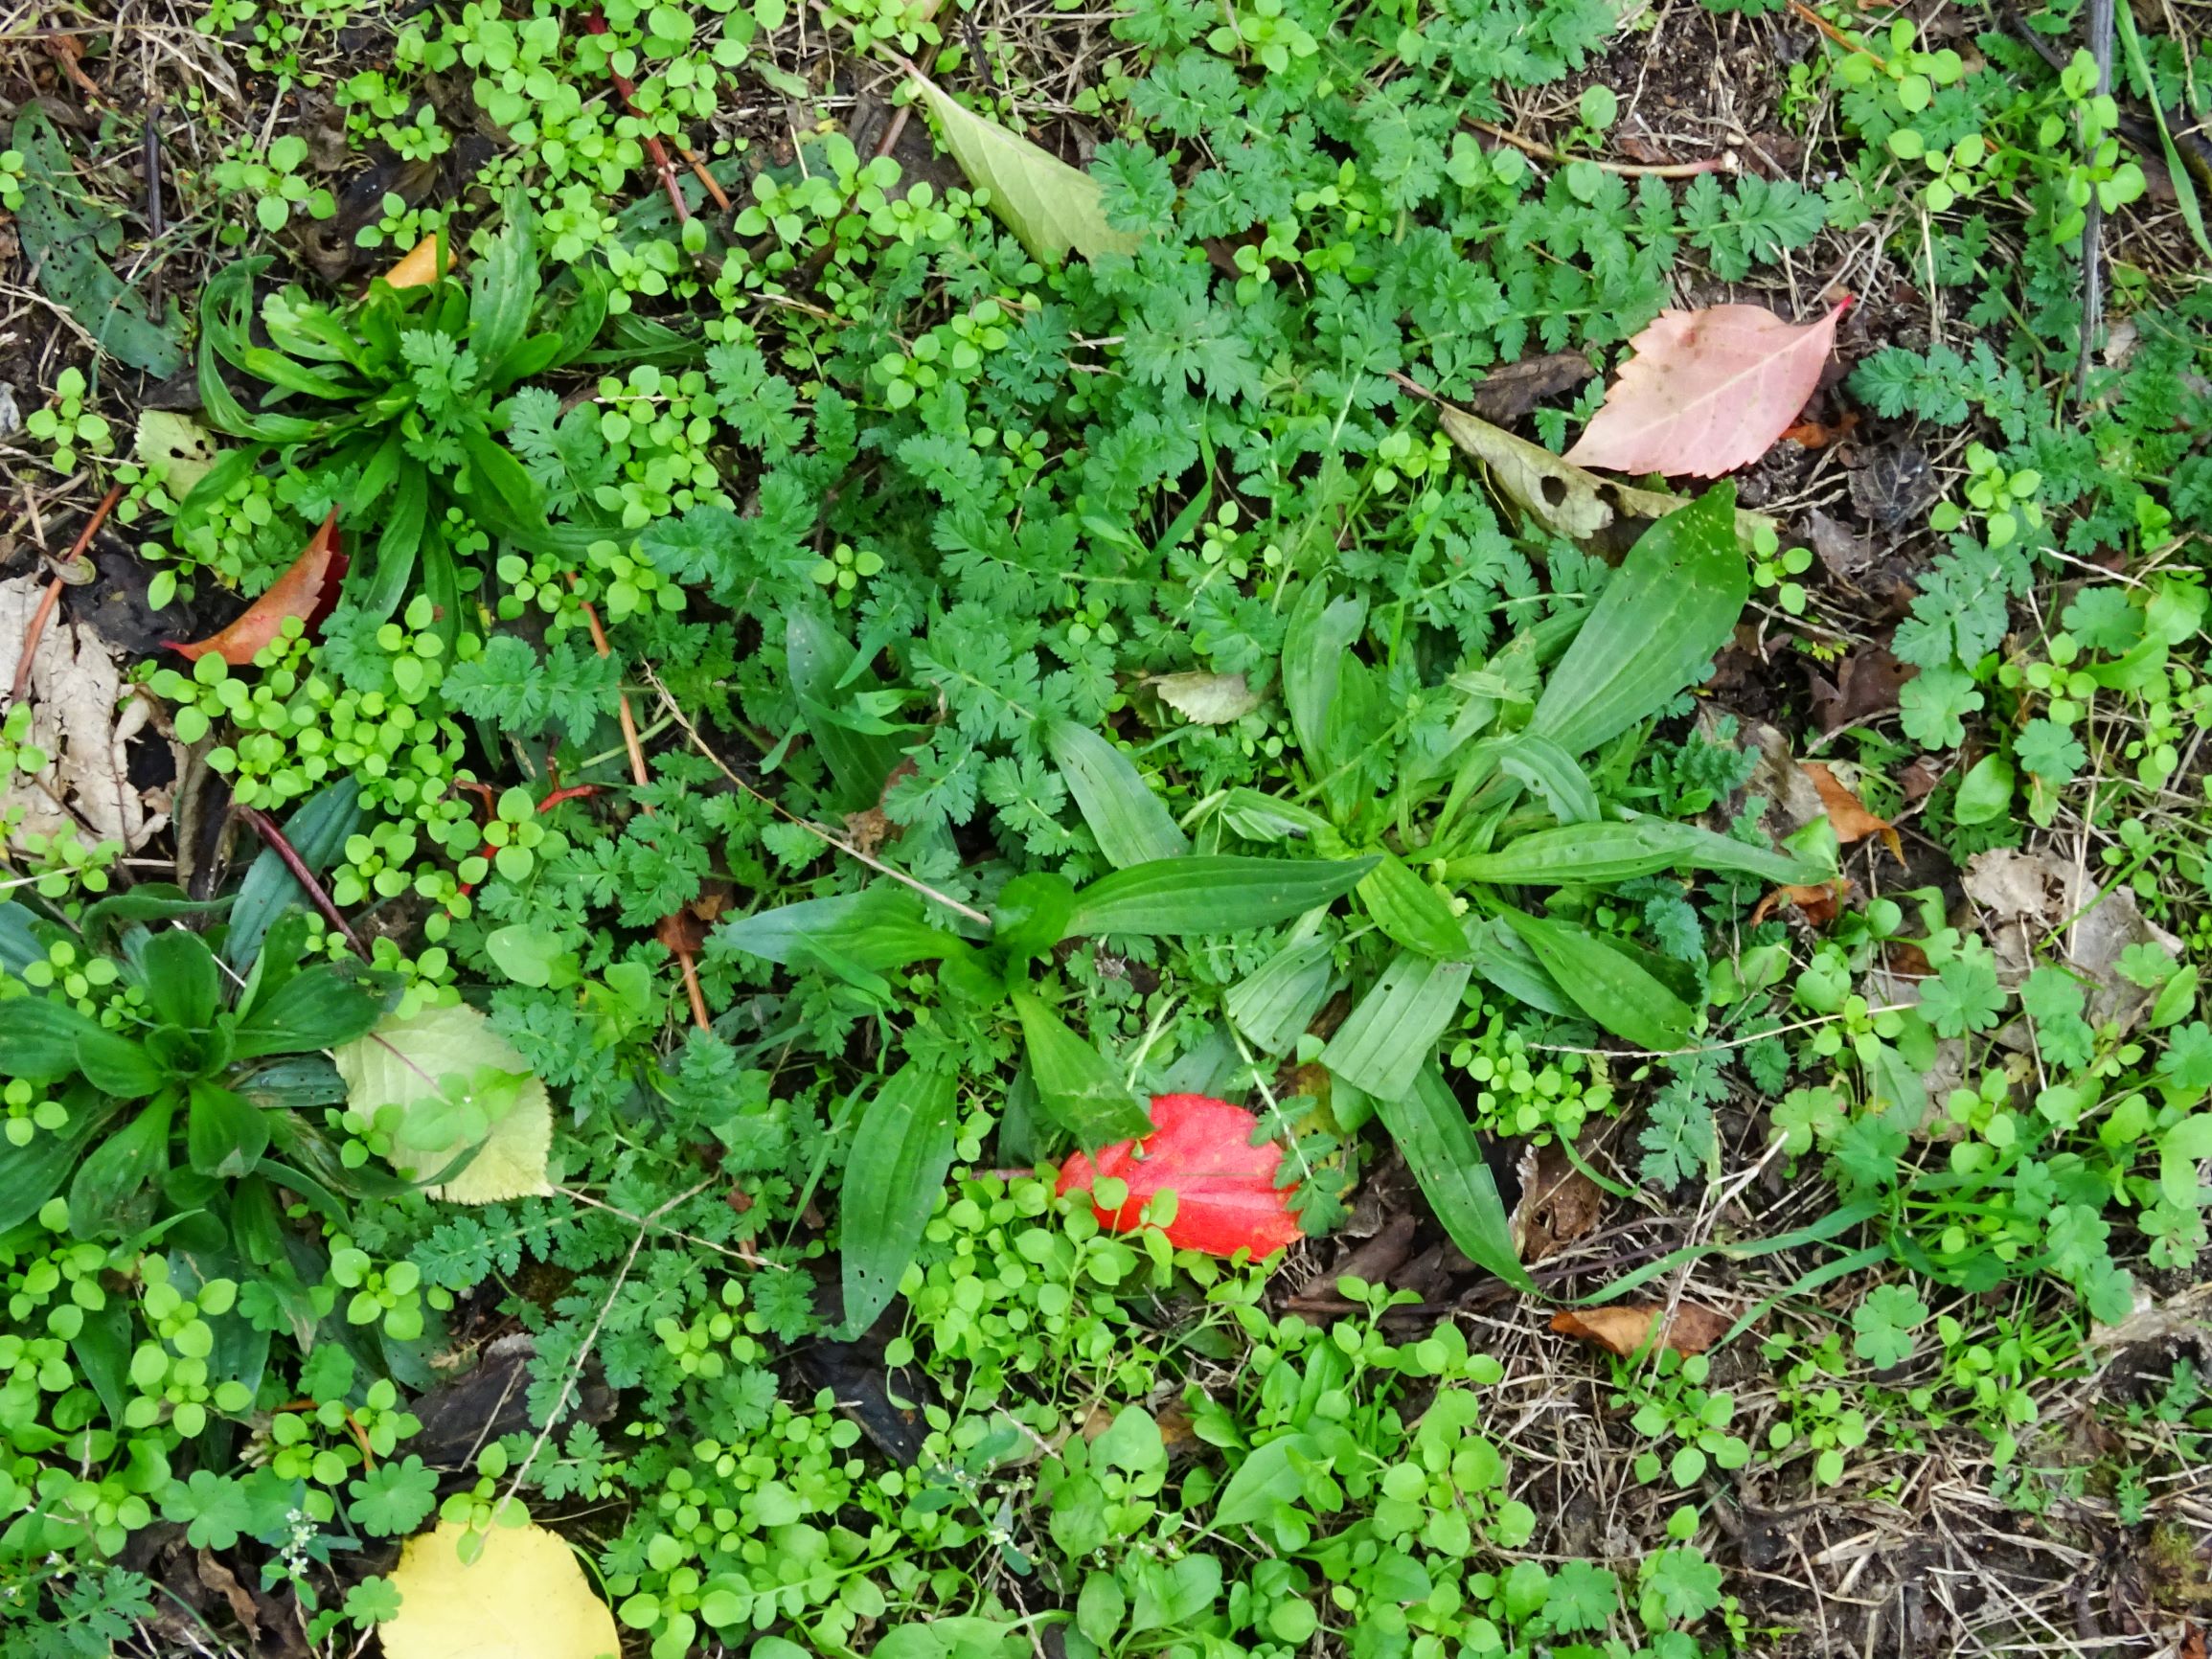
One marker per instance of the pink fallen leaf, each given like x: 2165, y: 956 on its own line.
x: 307, y: 590
x: 1707, y: 392
x: 1201, y: 1150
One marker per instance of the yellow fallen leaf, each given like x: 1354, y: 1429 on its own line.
x: 524, y: 1598
x: 418, y: 266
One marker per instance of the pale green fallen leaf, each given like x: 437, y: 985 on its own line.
x: 524, y: 1597
x: 179, y: 444
x: 441, y: 1082
x: 1206, y: 699
x: 1049, y: 205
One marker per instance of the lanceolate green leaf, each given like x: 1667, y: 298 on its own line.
x: 1409, y: 911
x: 1393, y: 1030
x: 1131, y: 823
x: 1318, y: 634
x: 901, y: 1152
x: 30, y: 1176
x: 879, y: 928
x: 119, y: 1167
x: 1505, y: 962
x: 1440, y: 1149
x: 1670, y: 608
x: 504, y: 292
x: 1579, y: 854
x: 38, y: 1038
x: 1213, y: 893
x: 1272, y: 1005
x: 1606, y: 986
x: 180, y: 978
x: 225, y: 1133
x: 1553, y: 773
x: 819, y: 660
x: 318, y: 1007
x: 1076, y: 1087
x: 1048, y: 205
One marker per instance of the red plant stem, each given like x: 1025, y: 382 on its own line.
x: 266, y: 829
x: 574, y: 792
x: 595, y: 23
x: 39, y: 618
x: 639, y: 775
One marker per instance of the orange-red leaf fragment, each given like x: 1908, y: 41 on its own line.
x: 1201, y: 1149
x: 1623, y: 1330
x: 1707, y: 392
x: 1848, y: 812
x: 1817, y: 905
x: 307, y: 591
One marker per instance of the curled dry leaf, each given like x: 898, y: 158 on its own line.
x: 1813, y: 435
x: 308, y: 591
x: 1560, y: 496
x: 1848, y: 813
x: 1508, y: 392
x: 83, y: 720
x: 1707, y: 392
x: 1866, y: 684
x: 1623, y: 1329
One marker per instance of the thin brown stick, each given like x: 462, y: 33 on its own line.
x: 1835, y: 34
x: 776, y: 806
x: 1626, y: 169
x: 639, y: 775
x: 266, y: 829
x: 39, y: 618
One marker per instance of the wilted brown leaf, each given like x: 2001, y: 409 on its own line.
x: 1848, y: 812
x: 1865, y: 685
x: 1557, y: 1205
x: 1506, y: 393
x: 1623, y: 1329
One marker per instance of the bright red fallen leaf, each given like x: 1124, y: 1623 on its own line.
x: 1201, y: 1150
x: 1707, y: 392
x: 307, y: 591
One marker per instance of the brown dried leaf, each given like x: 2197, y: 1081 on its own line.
x: 1623, y: 1329
x: 1506, y: 393
x: 1848, y: 812
x: 1557, y: 1205
x: 1866, y: 684
x: 1818, y: 905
